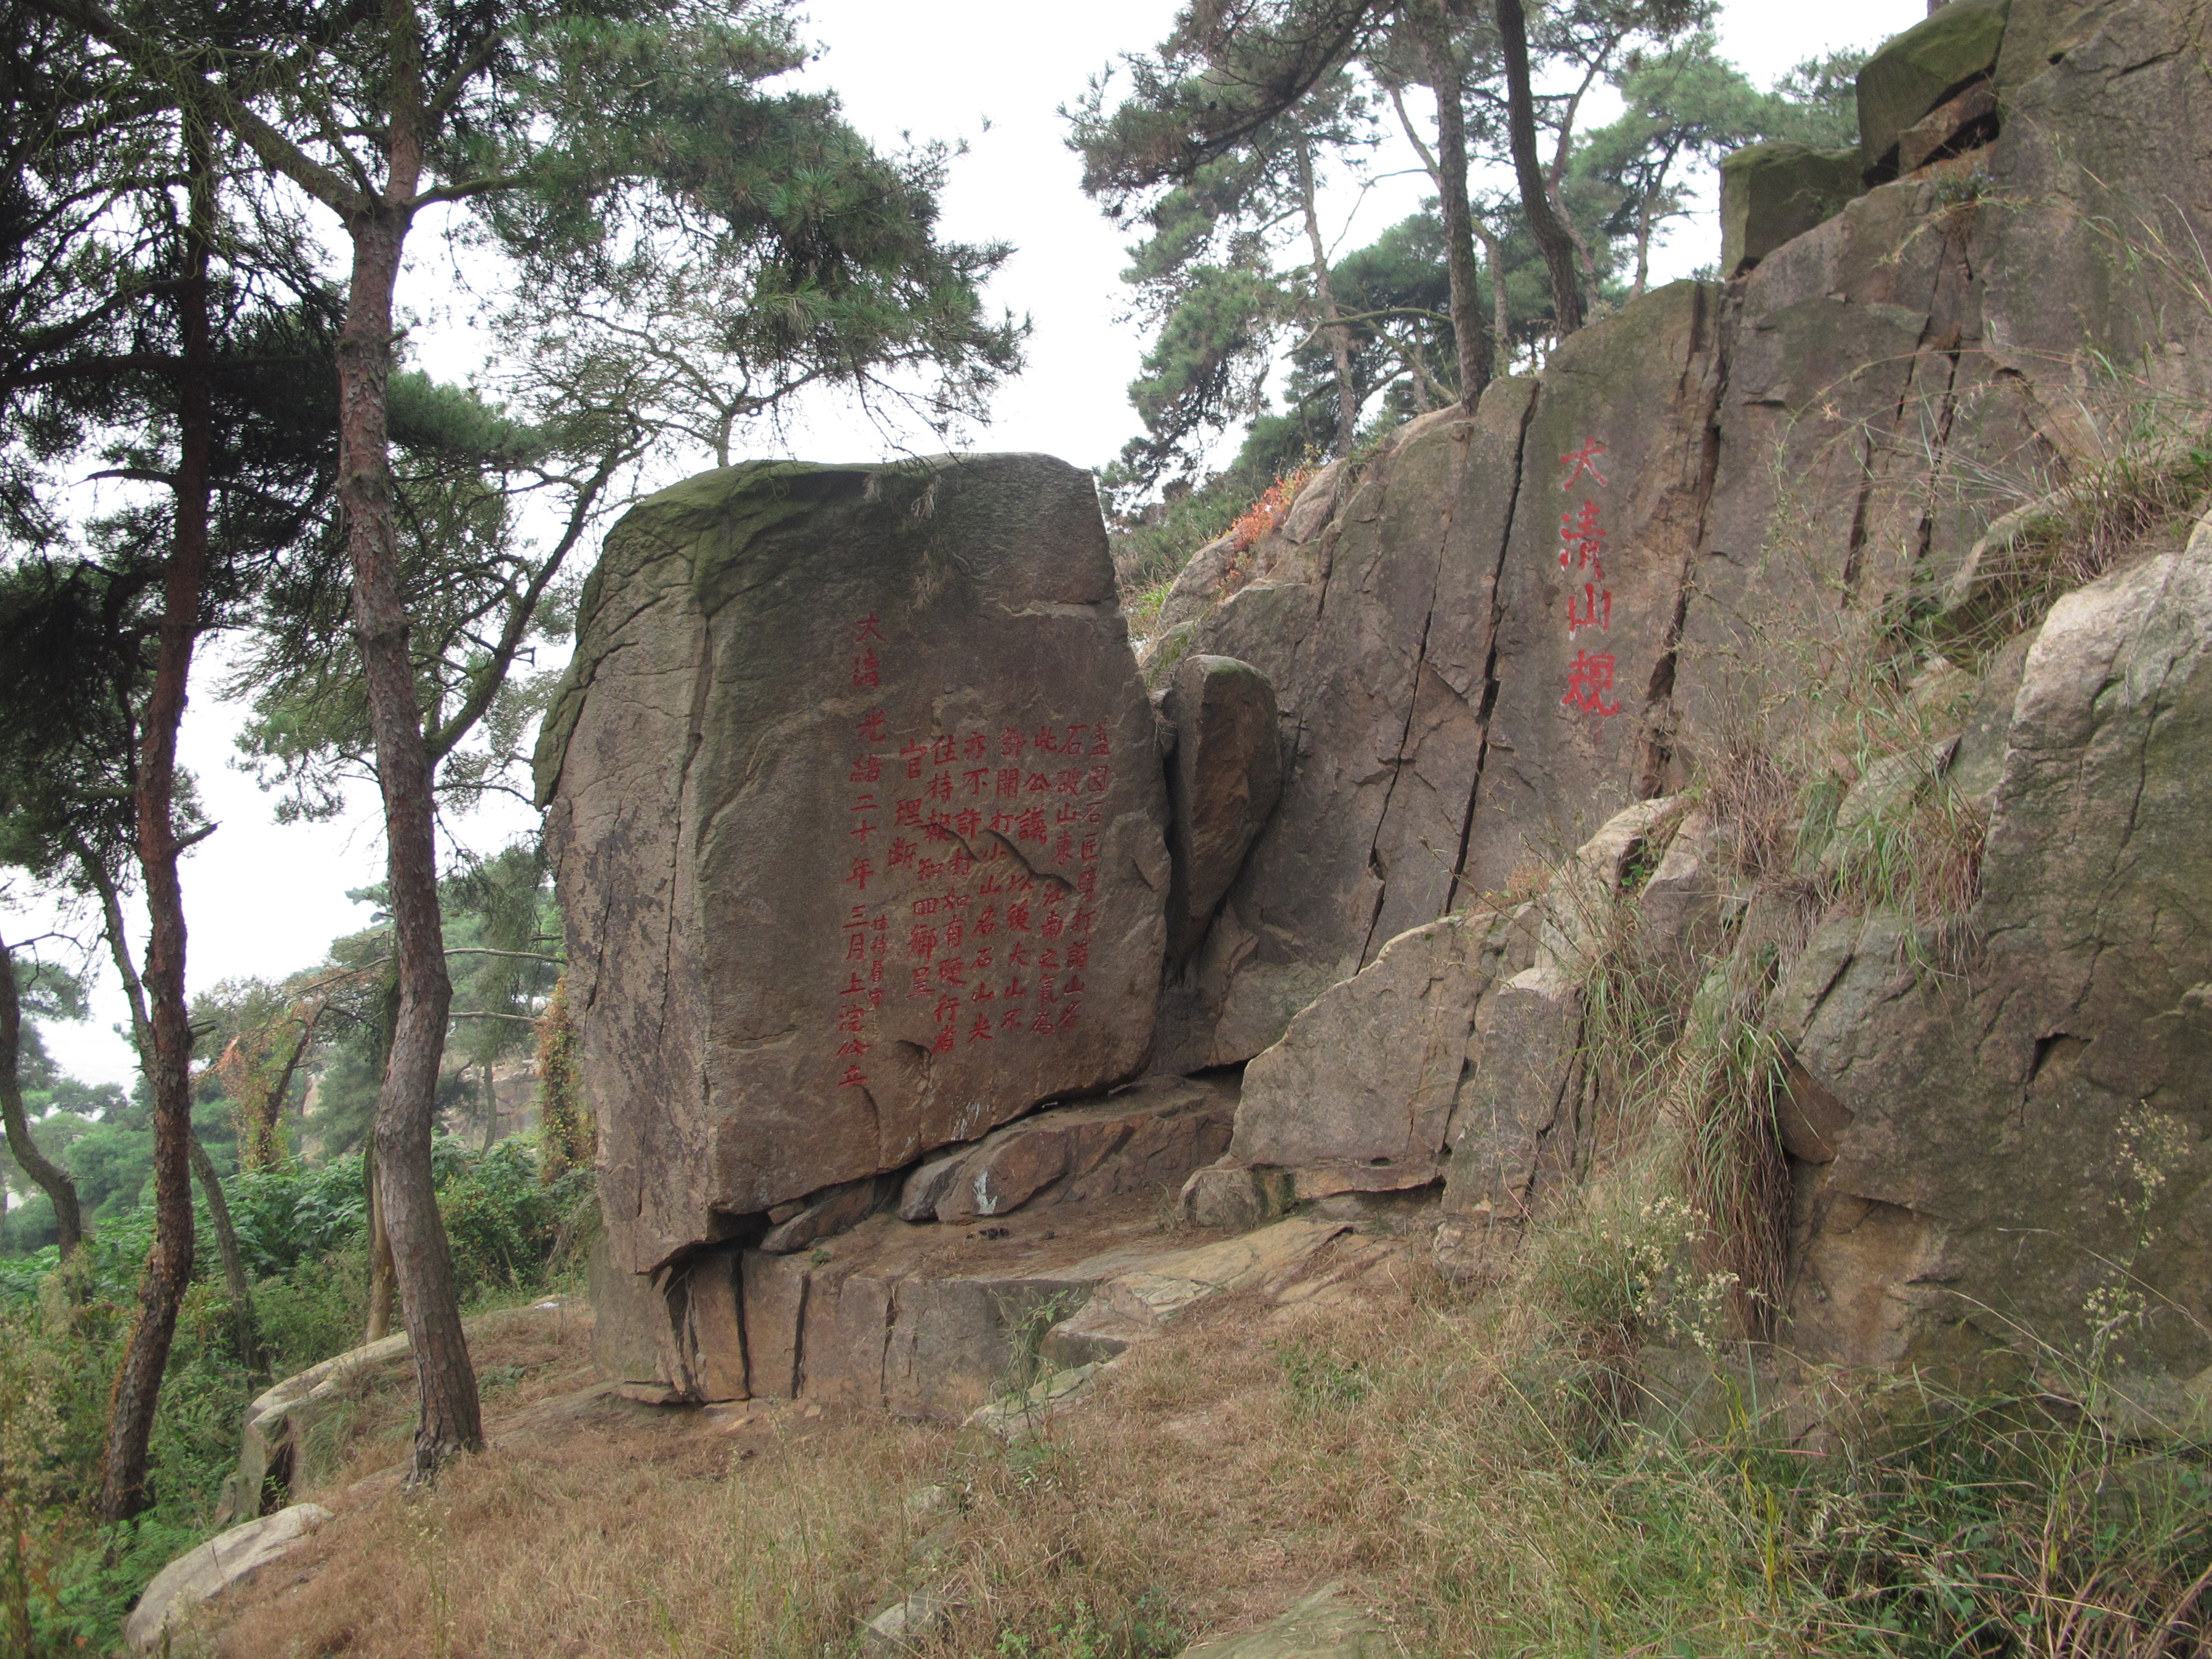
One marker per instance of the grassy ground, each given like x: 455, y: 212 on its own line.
x: 1477, y: 1467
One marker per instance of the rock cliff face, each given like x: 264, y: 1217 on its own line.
x: 1512, y: 625
x: 1716, y: 493
x: 2019, y: 1147
x: 1461, y: 742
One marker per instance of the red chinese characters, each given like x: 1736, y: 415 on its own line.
x: 1589, y: 683
x: 974, y: 862
x: 1589, y: 601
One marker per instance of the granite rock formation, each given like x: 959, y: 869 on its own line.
x: 1426, y: 761
x: 856, y: 811
x: 1508, y: 627
x: 2008, y: 1147
x: 1775, y: 469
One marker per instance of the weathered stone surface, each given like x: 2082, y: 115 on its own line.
x: 1915, y: 72
x: 279, y: 1418
x: 1472, y: 670
x: 2022, y: 1143
x: 1957, y: 124
x: 1140, y: 1139
x: 1324, y: 1626
x: 842, y: 1207
x: 1375, y: 635
x: 1138, y: 1300
x: 1223, y: 782
x: 1529, y: 1119
x: 1286, y: 554
x: 927, y: 1184
x: 1358, y: 1096
x: 673, y: 1334
x: 1156, y: 1290
x: 1559, y: 765
x: 164, y: 1608
x: 711, y: 1334
x: 924, y: 1320
x: 1459, y: 1054
x: 1236, y: 1196
x: 1683, y: 905
x: 905, y: 1624
x: 857, y: 817
x: 1776, y: 191
x: 1847, y: 347
x: 1026, y: 1415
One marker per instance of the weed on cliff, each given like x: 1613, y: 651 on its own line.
x: 1148, y: 556
x: 2143, y: 492
x: 2134, y: 473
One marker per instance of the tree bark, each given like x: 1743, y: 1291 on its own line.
x: 383, y: 1288
x: 406, y: 1104
x: 1551, y: 237
x: 1340, y: 336
x: 1471, y: 334
x: 273, y: 1130
x: 382, y: 1282
x: 52, y: 1179
x: 169, y: 1267
x: 246, y: 1325
x: 1501, y: 339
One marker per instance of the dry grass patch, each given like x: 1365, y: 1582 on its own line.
x: 1473, y: 1468
x: 522, y: 1355
x: 594, y: 1526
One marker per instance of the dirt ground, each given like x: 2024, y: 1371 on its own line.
x: 1210, y: 1479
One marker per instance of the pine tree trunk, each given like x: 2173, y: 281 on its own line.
x: 1470, y: 331
x: 1340, y: 336
x: 169, y: 1268
x: 275, y: 1130
x: 52, y: 1179
x: 1501, y: 310
x: 406, y: 1104
x: 244, y: 1325
x: 1553, y: 239
x: 381, y: 1280
x: 382, y: 1286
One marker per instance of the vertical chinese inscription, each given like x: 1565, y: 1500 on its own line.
x: 1589, y: 602
x: 972, y: 878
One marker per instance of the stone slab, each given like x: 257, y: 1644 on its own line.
x: 231, y: 1558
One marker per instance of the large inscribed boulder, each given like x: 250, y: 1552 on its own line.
x: 857, y: 809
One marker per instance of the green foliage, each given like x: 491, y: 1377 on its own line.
x: 302, y: 1234
x: 1205, y: 278
x: 1687, y: 104
x: 565, y: 1130
x: 506, y: 1225
x: 1201, y: 136
x: 1155, y: 550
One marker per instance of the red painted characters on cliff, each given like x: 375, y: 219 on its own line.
x: 1583, y: 534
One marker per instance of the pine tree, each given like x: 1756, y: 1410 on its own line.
x: 573, y: 131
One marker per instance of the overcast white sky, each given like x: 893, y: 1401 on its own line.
x: 266, y: 900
